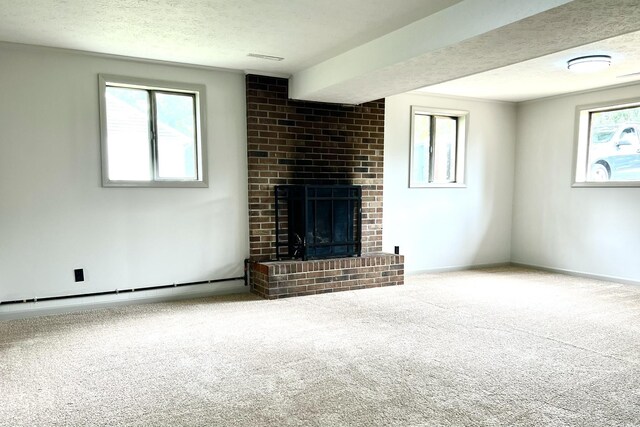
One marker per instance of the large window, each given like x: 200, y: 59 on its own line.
x: 608, y: 145
x: 153, y: 133
x: 437, y: 147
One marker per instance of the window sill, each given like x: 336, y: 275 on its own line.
x: 155, y: 184
x: 453, y: 185
x: 614, y: 184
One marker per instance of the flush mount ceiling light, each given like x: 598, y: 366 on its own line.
x: 267, y: 57
x: 588, y: 64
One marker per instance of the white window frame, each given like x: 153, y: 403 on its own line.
x: 461, y: 146
x: 581, y: 144
x: 198, y: 91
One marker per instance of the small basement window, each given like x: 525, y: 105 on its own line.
x: 608, y: 145
x: 152, y: 132
x: 438, y: 140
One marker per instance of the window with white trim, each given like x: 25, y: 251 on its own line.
x: 152, y: 132
x: 438, y: 140
x: 608, y: 144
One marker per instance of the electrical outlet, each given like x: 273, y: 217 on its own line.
x: 79, y: 274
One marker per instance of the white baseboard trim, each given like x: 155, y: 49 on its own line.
x: 69, y: 305
x: 457, y: 268
x: 574, y: 273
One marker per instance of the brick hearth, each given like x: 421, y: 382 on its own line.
x: 281, y: 279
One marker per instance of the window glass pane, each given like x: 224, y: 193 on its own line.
x: 176, y: 136
x: 128, y: 148
x: 614, y: 145
x: 421, y: 140
x: 444, y: 155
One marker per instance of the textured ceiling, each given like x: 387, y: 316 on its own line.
x: 574, y: 24
x: 548, y: 75
x: 218, y: 33
x: 521, y: 60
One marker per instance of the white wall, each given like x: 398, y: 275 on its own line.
x: 587, y: 230
x: 442, y: 228
x: 54, y: 214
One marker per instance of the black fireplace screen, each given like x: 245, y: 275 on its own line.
x: 318, y: 221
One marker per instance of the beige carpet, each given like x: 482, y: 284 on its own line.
x: 497, y: 347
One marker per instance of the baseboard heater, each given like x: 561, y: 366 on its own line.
x: 244, y: 278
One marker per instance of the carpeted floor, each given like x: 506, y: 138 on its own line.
x: 495, y: 347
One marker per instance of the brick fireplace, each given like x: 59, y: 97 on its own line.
x: 308, y: 143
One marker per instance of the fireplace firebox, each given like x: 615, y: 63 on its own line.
x: 318, y: 221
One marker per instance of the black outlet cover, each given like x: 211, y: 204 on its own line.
x: 79, y: 274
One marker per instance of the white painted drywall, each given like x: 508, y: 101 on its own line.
x: 587, y: 230
x: 443, y: 228
x: 55, y: 215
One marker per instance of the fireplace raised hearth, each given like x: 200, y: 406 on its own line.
x: 318, y: 221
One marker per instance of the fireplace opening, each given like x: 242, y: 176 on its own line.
x: 318, y: 221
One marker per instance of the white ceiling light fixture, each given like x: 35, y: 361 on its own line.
x: 589, y: 64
